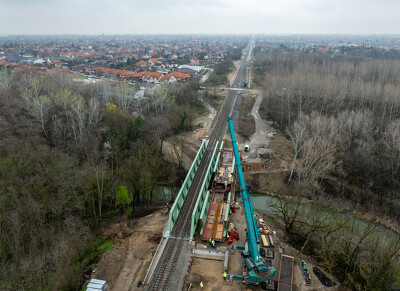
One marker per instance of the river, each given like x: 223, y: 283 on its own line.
x: 262, y: 202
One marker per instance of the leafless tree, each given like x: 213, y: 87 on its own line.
x: 297, y: 134
x: 179, y: 143
x: 161, y: 99
x: 5, y: 78
x: 93, y: 112
x: 39, y: 106
x: 78, y: 117
x: 125, y: 95
x: 391, y: 139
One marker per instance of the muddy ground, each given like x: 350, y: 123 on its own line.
x: 210, y: 272
x: 136, y: 241
x: 267, y: 146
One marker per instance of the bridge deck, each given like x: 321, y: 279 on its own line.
x: 215, y: 226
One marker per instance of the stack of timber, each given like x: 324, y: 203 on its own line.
x: 266, y: 234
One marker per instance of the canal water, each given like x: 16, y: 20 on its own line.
x: 265, y: 203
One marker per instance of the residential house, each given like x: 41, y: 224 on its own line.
x: 178, y: 76
x: 153, y: 61
x: 141, y: 64
x: 194, y: 61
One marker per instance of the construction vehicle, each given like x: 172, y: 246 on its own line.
x: 257, y: 270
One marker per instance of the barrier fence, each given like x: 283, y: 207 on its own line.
x: 203, y: 193
x: 180, y: 198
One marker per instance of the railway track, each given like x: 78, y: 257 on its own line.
x: 168, y: 272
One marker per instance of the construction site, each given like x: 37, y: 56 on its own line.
x: 211, y: 238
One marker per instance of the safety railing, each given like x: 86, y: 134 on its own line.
x: 180, y: 198
x: 203, y: 190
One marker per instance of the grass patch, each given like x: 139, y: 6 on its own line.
x: 87, y: 254
x: 257, y: 80
x: 92, y: 252
x: 214, y: 100
x: 85, y: 285
x: 207, y: 84
x: 270, y: 222
x: 106, y: 246
x: 200, y: 111
x: 79, y: 77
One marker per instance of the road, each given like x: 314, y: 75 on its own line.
x: 173, y: 265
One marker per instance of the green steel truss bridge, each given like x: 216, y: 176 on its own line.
x: 171, y: 261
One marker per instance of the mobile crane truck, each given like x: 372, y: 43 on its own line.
x: 257, y: 270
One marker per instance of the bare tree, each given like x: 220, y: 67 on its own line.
x: 39, y: 106
x: 288, y: 210
x: 392, y: 142
x: 5, y: 78
x: 125, y: 95
x: 93, y: 112
x: 314, y: 141
x: 161, y: 99
x: 297, y: 134
x: 79, y: 115
x: 179, y: 144
x: 161, y: 128
x: 64, y: 98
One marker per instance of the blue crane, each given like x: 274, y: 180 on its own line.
x: 258, y: 271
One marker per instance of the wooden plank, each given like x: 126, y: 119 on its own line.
x: 264, y: 240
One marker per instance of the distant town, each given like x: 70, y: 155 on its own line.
x: 149, y: 60
x: 143, y: 60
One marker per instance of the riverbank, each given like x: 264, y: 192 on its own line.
x: 344, y: 207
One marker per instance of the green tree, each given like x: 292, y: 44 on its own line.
x: 123, y: 197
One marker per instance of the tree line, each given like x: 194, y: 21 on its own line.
x: 352, y: 251
x: 71, y: 157
x: 222, y: 69
x: 342, y: 117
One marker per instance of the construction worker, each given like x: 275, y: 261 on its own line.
x: 227, y: 236
x: 213, y: 244
x: 225, y: 276
x: 210, y: 241
x: 201, y: 285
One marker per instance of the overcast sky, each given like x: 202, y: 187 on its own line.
x: 199, y: 16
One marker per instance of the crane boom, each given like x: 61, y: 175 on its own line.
x: 258, y: 271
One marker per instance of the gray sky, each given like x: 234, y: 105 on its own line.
x: 199, y: 16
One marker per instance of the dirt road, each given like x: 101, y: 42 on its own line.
x: 261, y: 137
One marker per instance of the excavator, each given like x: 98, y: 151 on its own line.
x: 258, y: 273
